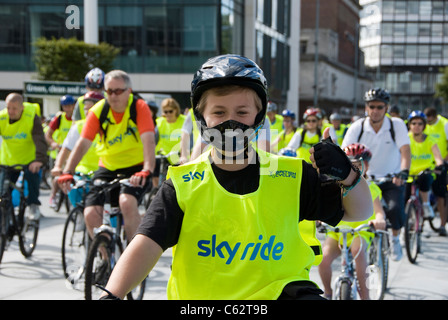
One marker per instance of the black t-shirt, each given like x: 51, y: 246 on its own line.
x: 318, y: 201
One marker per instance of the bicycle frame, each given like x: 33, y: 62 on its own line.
x: 348, y: 273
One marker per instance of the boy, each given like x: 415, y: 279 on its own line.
x: 234, y: 219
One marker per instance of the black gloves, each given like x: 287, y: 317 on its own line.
x: 332, y: 160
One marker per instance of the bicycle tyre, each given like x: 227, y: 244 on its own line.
x: 378, y: 268
x: 98, y: 268
x: 138, y: 292
x: 150, y: 196
x: 29, y: 229
x: 74, y: 245
x: 411, y: 233
x: 62, y: 199
x: 3, y: 232
x: 345, y: 292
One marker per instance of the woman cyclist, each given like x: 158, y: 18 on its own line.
x: 360, y: 156
x: 286, y: 135
x: 305, y: 138
x: 232, y: 213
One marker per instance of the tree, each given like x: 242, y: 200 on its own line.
x: 70, y: 59
x: 442, y: 87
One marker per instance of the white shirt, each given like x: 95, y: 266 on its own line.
x: 386, y: 156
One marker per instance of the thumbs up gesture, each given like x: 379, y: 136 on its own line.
x: 329, y: 159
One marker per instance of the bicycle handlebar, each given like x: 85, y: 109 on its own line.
x: 345, y: 229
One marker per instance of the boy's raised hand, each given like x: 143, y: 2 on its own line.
x: 329, y: 159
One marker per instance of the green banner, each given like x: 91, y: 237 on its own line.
x: 58, y: 88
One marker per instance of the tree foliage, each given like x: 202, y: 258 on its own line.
x: 70, y: 59
x: 442, y: 87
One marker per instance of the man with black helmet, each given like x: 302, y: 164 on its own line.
x: 389, y: 142
x: 233, y: 213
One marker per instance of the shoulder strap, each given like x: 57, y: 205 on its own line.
x: 362, y: 130
x: 392, y: 130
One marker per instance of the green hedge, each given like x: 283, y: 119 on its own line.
x: 70, y: 59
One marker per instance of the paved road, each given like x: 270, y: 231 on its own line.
x: 40, y: 277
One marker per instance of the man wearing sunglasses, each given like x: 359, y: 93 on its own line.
x: 125, y: 148
x: 389, y: 142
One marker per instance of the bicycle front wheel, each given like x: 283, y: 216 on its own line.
x: 29, y: 229
x: 345, y: 292
x: 378, y: 268
x: 98, y: 266
x: 3, y: 231
x: 74, y: 246
x: 411, y: 233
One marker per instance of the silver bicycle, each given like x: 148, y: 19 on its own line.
x: 346, y: 286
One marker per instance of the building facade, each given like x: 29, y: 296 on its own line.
x: 405, y: 44
x: 332, y: 69
x: 162, y: 42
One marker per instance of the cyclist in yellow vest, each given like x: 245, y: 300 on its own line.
x: 232, y: 213
x: 425, y: 154
x: 305, y: 138
x: 23, y: 143
x: 34, y: 105
x: 169, y: 127
x: 126, y: 147
x: 55, y: 135
x: 275, y: 121
x: 89, y: 163
x: 358, y: 153
x: 339, y: 127
x: 437, y: 128
x: 94, y: 81
x: 286, y: 135
x: 190, y: 134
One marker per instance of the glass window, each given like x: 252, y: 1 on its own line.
x: 388, y: 7
x: 404, y: 82
x: 231, y: 22
x: 437, y: 29
x: 424, y: 29
x: 260, y: 10
x: 399, y: 29
x: 400, y: 7
x: 398, y: 51
x: 200, y: 25
x: 416, y: 83
x: 436, y: 52
x: 411, y: 51
x: 274, y: 12
x: 392, y: 81
x: 412, y: 29
x: 437, y: 7
x: 445, y: 28
x: 386, y: 51
x: 423, y: 52
x: 387, y: 29
x: 425, y: 8
x: 413, y: 7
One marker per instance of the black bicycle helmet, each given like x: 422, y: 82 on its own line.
x: 230, y: 69
x: 377, y: 94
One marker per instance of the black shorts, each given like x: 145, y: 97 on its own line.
x: 439, y: 185
x: 96, y: 197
